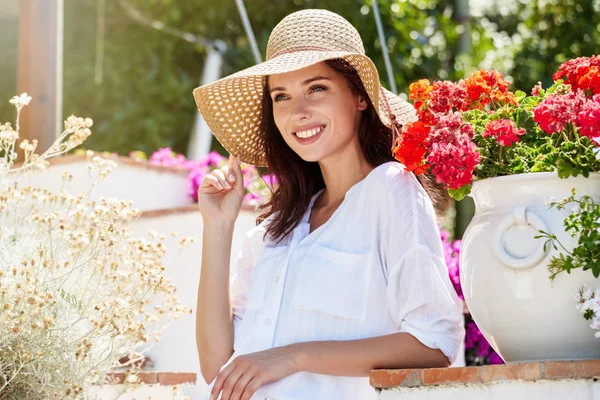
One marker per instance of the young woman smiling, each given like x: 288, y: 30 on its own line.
x: 344, y: 272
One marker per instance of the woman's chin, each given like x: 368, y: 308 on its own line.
x: 311, y: 157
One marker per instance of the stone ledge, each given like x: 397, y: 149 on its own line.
x: 530, y: 371
x: 163, y: 378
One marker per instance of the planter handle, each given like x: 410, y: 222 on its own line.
x: 521, y: 216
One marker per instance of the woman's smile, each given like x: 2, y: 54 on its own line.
x: 310, y: 135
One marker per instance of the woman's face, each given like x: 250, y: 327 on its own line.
x: 316, y: 112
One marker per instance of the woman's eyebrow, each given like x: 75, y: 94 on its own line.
x: 306, y: 82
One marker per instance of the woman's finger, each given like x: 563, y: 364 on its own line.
x: 228, y: 172
x: 240, y: 386
x: 235, y: 166
x: 221, y: 177
x: 252, y: 387
x: 220, y: 380
x: 231, y: 382
x: 211, y: 180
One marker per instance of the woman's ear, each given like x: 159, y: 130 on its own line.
x: 362, y: 103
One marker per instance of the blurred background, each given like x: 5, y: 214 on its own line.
x: 131, y: 65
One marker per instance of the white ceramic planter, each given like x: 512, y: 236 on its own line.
x: 504, y: 271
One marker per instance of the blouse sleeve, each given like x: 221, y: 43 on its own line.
x: 421, y: 298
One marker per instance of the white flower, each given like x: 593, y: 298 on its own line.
x: 21, y: 100
x: 591, y: 304
x: 9, y: 135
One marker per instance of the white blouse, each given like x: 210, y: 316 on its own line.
x: 376, y: 267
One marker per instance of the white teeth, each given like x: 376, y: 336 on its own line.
x: 307, y: 134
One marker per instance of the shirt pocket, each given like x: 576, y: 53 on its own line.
x: 334, y: 282
x: 262, y: 273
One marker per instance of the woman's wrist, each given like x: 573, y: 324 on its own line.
x: 218, y: 225
x: 298, y: 357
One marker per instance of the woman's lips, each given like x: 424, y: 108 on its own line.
x: 311, y: 139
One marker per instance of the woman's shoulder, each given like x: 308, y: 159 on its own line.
x: 393, y: 180
x: 396, y: 193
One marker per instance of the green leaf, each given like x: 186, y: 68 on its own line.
x: 520, y: 95
x: 460, y: 193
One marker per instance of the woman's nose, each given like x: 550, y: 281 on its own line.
x: 301, y: 110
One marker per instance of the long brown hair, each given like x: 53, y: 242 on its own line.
x: 299, y: 180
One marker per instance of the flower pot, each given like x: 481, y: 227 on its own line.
x: 504, y: 270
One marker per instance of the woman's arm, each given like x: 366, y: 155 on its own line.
x: 244, y: 375
x: 214, y: 326
x: 359, y: 357
x: 219, y: 199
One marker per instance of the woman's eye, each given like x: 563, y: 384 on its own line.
x: 318, y: 88
x: 279, y: 97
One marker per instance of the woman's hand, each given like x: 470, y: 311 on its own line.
x: 244, y: 375
x: 221, y: 192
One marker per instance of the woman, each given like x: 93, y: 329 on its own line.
x: 345, y: 271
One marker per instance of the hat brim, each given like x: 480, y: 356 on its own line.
x: 232, y: 106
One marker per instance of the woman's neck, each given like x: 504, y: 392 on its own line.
x: 339, y: 176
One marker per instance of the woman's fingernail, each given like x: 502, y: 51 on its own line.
x: 219, y: 185
x: 239, y: 161
x: 232, y: 177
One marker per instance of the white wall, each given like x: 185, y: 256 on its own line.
x: 575, y: 389
x: 149, y: 187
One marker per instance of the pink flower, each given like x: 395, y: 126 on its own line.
x: 536, y: 89
x: 472, y: 335
x: 270, y: 180
x: 251, y: 197
x: 483, y: 349
x: 557, y: 110
x: 166, y: 157
x: 504, y: 130
x: 453, y: 155
x: 214, y: 159
x: 446, y: 96
x: 495, y: 358
x: 588, y: 119
x: 195, y: 180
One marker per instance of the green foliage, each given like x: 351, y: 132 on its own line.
x: 566, y: 152
x: 544, y: 34
x: 8, y: 68
x: 461, y: 192
x: 144, y: 100
x: 584, y: 224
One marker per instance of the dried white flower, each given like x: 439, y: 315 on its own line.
x: 75, y: 285
x: 19, y: 101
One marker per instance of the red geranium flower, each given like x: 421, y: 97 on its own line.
x: 412, y: 147
x: 504, y: 130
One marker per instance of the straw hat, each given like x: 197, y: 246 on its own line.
x: 231, y: 106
